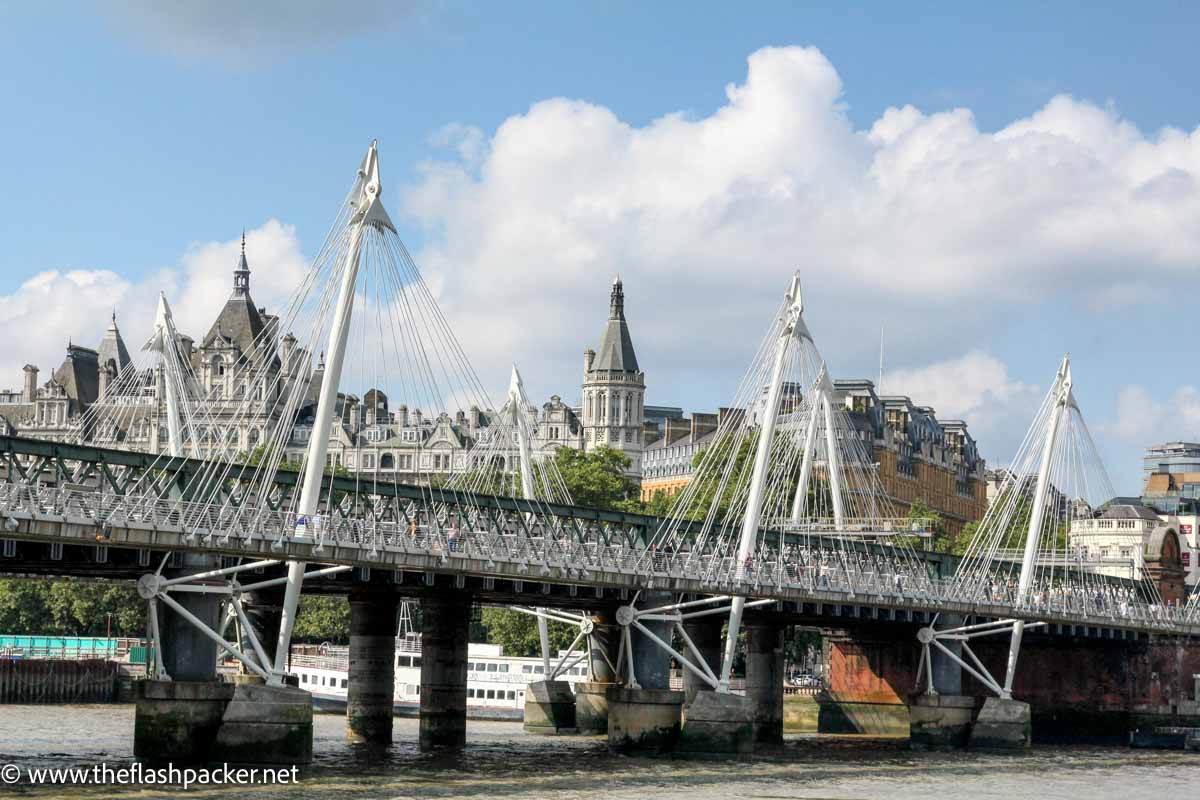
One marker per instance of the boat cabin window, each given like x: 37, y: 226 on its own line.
x: 527, y: 668
x: 493, y: 667
x: 344, y: 683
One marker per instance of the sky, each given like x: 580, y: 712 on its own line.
x: 992, y: 186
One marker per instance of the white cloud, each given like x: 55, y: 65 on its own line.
x: 1143, y: 420
x: 923, y: 220
x: 237, y: 33
x: 975, y: 387
x: 54, y: 306
x: 959, y: 387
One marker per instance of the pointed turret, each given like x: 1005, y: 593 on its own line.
x: 241, y: 274
x: 112, y: 351
x: 616, y: 347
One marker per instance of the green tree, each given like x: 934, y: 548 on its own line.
x: 70, y: 608
x: 322, y: 619
x: 518, y: 633
x: 597, y: 478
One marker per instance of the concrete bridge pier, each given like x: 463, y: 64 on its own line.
x: 942, y: 719
x: 189, y: 655
x: 647, y: 718
x: 445, y: 627
x: 193, y: 717
x: 264, y: 612
x: 372, y: 673
x: 591, y: 696
x: 715, y: 724
x: 764, y: 678
x: 705, y: 633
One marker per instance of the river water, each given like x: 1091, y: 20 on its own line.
x: 501, y: 761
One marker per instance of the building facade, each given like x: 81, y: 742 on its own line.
x: 920, y: 458
x: 1172, y: 489
x: 243, y: 369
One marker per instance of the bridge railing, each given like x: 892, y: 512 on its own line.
x: 544, y: 546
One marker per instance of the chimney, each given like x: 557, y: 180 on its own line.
x: 460, y: 418
x: 31, y: 376
x: 289, y: 347
x: 402, y: 413
x: 106, y: 376
x: 473, y: 418
x: 355, y: 412
x: 589, y: 356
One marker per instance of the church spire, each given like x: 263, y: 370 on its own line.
x: 241, y: 275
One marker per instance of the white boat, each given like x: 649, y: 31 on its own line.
x: 496, y: 683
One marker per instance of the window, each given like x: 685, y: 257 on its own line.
x: 527, y: 668
x: 504, y: 667
x: 470, y: 693
x: 493, y: 667
x: 303, y: 678
x: 343, y: 683
x: 512, y: 695
x: 491, y: 694
x: 470, y: 667
x: 416, y: 662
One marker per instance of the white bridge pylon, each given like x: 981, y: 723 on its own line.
x: 365, y: 309
x: 1021, y: 556
x: 786, y: 490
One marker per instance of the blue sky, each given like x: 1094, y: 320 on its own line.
x: 139, y: 145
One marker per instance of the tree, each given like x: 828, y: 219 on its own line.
x: 598, y: 478
x: 920, y: 514
x: 322, y: 619
x: 70, y: 608
x: 518, y: 633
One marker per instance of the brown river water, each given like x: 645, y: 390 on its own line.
x: 501, y: 761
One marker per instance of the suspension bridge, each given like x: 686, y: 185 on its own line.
x: 785, y: 513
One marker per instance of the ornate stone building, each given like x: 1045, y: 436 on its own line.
x: 244, y: 369
x: 920, y: 457
x: 614, y: 388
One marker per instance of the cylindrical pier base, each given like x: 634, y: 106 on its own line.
x: 764, y: 679
x: 372, y: 674
x: 445, y: 625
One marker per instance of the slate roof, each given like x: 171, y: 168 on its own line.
x: 616, y: 348
x: 112, y: 347
x: 239, y: 323
x: 79, y: 375
x: 1128, y: 511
